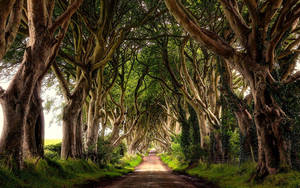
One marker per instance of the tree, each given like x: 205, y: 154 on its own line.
x: 262, y: 42
x: 116, y: 20
x: 41, y: 49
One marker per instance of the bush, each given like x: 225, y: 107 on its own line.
x: 174, y: 162
x: 53, y: 151
x: 130, y: 161
x: 106, y: 154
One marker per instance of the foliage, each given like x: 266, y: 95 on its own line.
x: 234, y: 142
x: 141, y: 66
x: 106, y: 154
x: 130, y: 161
x: 176, y: 148
x: 228, y: 135
x: 288, y: 97
x: 190, y: 135
x: 53, y: 151
x: 175, y: 163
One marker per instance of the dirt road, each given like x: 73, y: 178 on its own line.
x: 152, y: 173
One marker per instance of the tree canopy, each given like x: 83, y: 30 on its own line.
x: 209, y: 77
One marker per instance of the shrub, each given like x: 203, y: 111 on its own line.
x: 53, y: 151
x: 106, y: 154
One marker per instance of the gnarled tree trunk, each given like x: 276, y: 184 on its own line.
x: 41, y: 50
x: 33, y: 145
x: 15, y: 102
x: 16, y: 99
x: 72, y: 145
x: 71, y: 130
x: 274, y: 148
x: 217, y: 152
x: 93, y: 127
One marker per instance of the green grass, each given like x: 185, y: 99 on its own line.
x: 131, y: 161
x: 175, y: 163
x: 234, y: 176
x: 52, y: 141
x: 62, y: 173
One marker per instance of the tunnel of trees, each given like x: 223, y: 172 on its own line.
x: 212, y: 81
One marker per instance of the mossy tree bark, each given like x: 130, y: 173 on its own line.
x: 240, y: 109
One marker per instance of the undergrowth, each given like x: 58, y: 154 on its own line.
x: 234, y: 176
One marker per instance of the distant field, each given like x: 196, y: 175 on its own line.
x: 52, y: 141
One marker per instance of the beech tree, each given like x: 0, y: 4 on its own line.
x: 116, y: 20
x: 41, y: 49
x: 256, y: 55
x: 72, y: 112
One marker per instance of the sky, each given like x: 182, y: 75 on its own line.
x: 53, y: 128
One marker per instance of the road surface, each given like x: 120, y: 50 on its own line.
x: 152, y: 173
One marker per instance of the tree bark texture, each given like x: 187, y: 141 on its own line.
x: 33, y: 145
x: 203, y: 129
x: 93, y: 127
x: 217, y: 154
x: 274, y: 148
x: 15, y: 100
x: 72, y: 145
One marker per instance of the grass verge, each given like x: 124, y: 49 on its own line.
x: 175, y: 163
x: 48, y: 173
x: 234, y: 176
